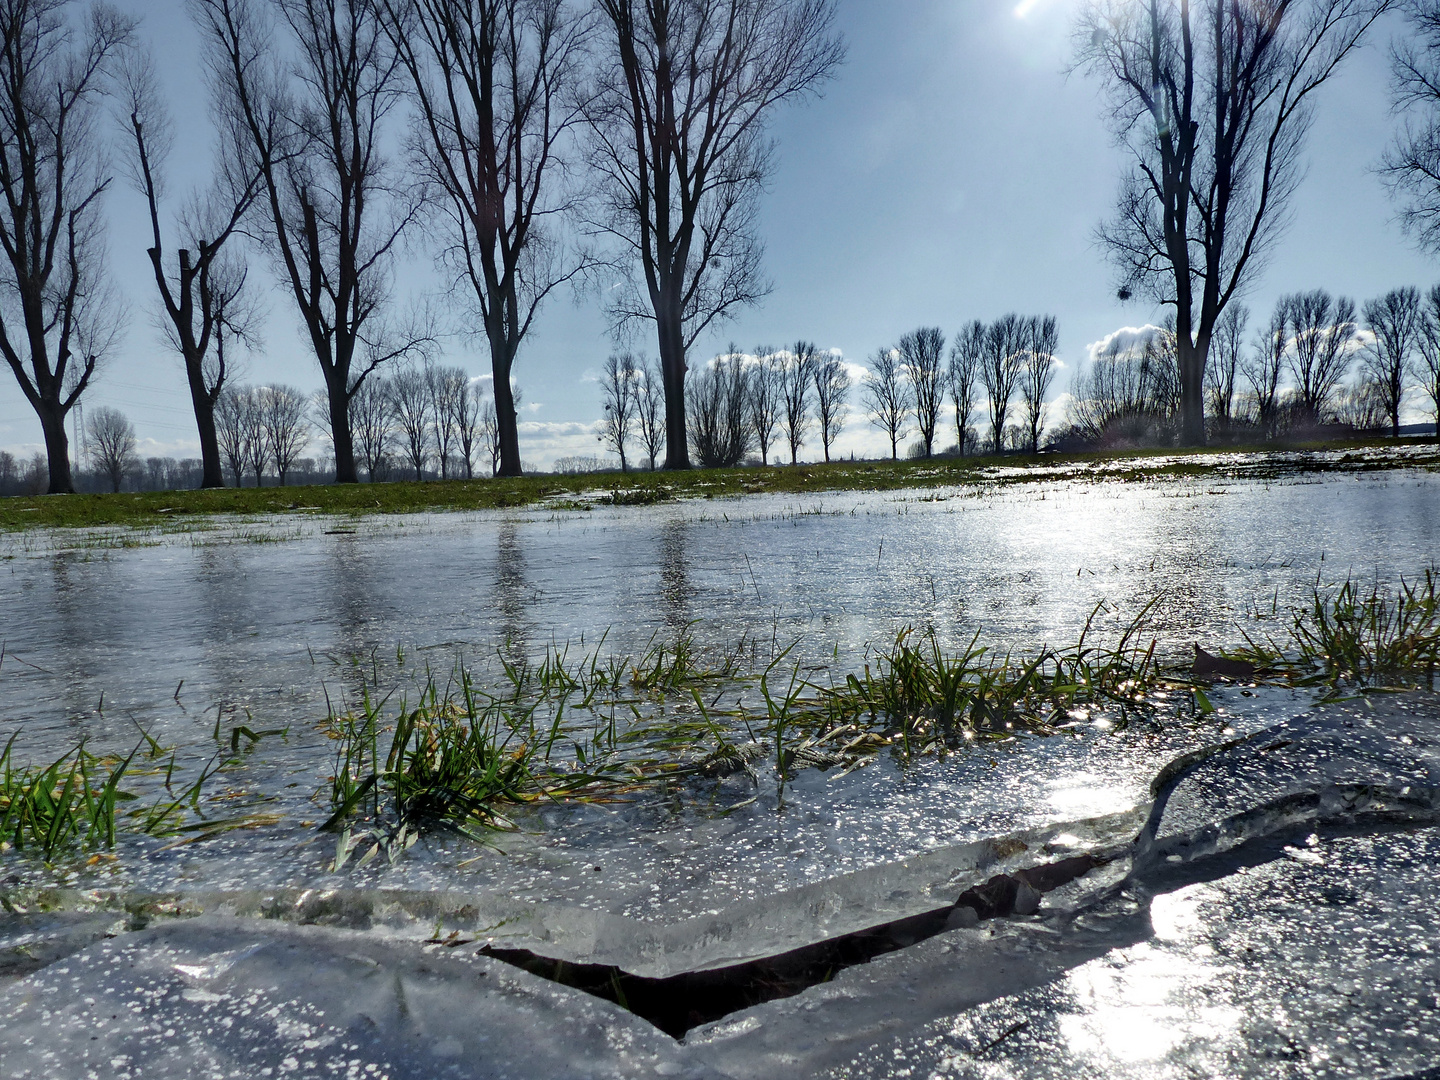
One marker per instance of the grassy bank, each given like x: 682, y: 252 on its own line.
x: 148, y: 509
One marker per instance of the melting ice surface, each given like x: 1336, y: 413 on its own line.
x: 261, y: 620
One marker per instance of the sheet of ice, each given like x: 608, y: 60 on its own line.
x: 1307, y: 950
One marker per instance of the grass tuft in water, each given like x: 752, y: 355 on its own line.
x: 69, y: 803
x: 1351, y: 634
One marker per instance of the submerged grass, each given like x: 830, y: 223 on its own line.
x: 174, y: 509
x: 558, y: 730
x: 1354, y: 635
x: 592, y: 729
x: 73, y: 803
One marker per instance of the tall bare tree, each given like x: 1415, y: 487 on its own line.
x: 232, y: 429
x: 1037, y: 372
x: 204, y: 295
x: 796, y: 376
x: 962, y: 377
x: 111, y: 444
x: 1223, y: 364
x: 490, y: 434
x: 1428, y: 347
x: 619, y: 382
x: 1394, y: 324
x: 58, y: 320
x: 372, y: 422
x: 467, y: 424
x: 887, y: 397
x: 764, y: 399
x: 1000, y: 365
x: 1264, y: 366
x: 1411, y: 167
x: 684, y: 92
x: 410, y: 405
x: 287, y: 431
x: 1213, y: 98
x: 307, y: 107
x: 650, y: 409
x: 922, y: 353
x: 832, y: 394
x: 719, y: 429
x: 448, y: 389
x: 496, y: 85
x: 1322, y: 340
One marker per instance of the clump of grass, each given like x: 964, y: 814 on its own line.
x: 560, y: 729
x: 69, y: 803
x: 922, y: 698
x: 1351, y: 634
x: 73, y: 803
x: 459, y: 757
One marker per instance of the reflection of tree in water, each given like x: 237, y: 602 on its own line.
x: 675, y: 589
x: 513, y: 593
x: 77, y: 635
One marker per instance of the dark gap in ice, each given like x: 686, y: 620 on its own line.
x: 681, y: 1002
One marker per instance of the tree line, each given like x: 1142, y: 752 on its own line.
x: 525, y: 143
x: 774, y: 401
x: 1289, y: 378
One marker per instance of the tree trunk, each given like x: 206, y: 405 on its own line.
x: 1192, y: 390
x: 505, y: 419
x: 670, y: 327
x: 337, y: 388
x: 212, y: 472
x: 57, y: 448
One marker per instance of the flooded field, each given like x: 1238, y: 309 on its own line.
x: 233, y: 647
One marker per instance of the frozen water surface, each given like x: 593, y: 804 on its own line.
x: 261, y: 620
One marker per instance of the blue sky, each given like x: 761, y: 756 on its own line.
x: 951, y: 171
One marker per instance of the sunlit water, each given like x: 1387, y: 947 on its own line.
x: 262, y: 621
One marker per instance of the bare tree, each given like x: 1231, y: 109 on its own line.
x: 1411, y: 167
x: 112, y: 444
x: 495, y: 82
x: 449, y: 389
x: 1394, y: 324
x: 684, y: 91
x: 764, y: 399
x: 1037, y: 372
x: 203, y: 292
x: 796, y: 376
x: 58, y: 320
x: 1129, y: 394
x: 490, y: 434
x: 1322, y: 336
x: 467, y: 424
x: 719, y: 431
x: 372, y: 421
x: 286, y: 431
x: 1224, y: 363
x: 1263, y: 367
x: 1428, y: 345
x: 410, y: 405
x: 1000, y: 370
x: 887, y: 397
x: 232, y: 428
x: 650, y: 409
x: 333, y: 211
x: 256, y: 438
x: 1213, y: 98
x: 921, y: 353
x: 963, y: 376
x: 619, y: 383
x: 832, y: 393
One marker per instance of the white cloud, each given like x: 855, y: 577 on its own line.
x: 1127, y: 337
